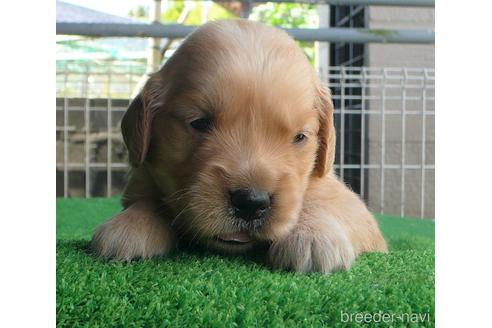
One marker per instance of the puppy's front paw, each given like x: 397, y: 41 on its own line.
x: 136, y: 232
x: 307, y: 250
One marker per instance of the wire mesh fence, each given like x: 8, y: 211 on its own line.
x: 385, y: 136
x: 384, y: 119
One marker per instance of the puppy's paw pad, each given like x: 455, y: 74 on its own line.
x: 125, y: 238
x: 304, y: 251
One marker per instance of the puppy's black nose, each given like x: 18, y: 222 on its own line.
x: 250, y: 204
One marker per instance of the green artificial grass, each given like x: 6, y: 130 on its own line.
x: 191, y: 289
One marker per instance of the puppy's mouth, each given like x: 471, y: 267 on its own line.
x: 237, y: 238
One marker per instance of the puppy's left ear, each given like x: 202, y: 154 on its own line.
x: 326, y: 133
x: 136, y: 125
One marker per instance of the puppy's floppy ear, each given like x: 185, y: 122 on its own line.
x: 326, y: 133
x: 136, y: 125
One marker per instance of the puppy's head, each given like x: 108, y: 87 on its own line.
x: 232, y: 129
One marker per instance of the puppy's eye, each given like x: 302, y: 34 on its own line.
x: 201, y: 124
x: 300, y: 137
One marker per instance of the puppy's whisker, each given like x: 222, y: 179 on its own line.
x: 176, y: 196
x: 200, y: 232
x: 186, y: 208
x: 189, y: 228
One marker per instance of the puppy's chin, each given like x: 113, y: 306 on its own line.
x: 231, y: 243
x: 244, y: 242
x: 231, y: 247
x: 225, y: 235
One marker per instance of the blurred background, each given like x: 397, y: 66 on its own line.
x: 377, y: 57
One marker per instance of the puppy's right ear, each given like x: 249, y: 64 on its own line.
x: 136, y: 125
x: 326, y: 134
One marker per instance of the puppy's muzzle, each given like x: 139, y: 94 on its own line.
x: 251, y: 204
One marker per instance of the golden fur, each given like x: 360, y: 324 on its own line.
x: 259, y: 91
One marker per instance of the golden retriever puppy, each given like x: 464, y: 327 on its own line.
x: 231, y: 145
